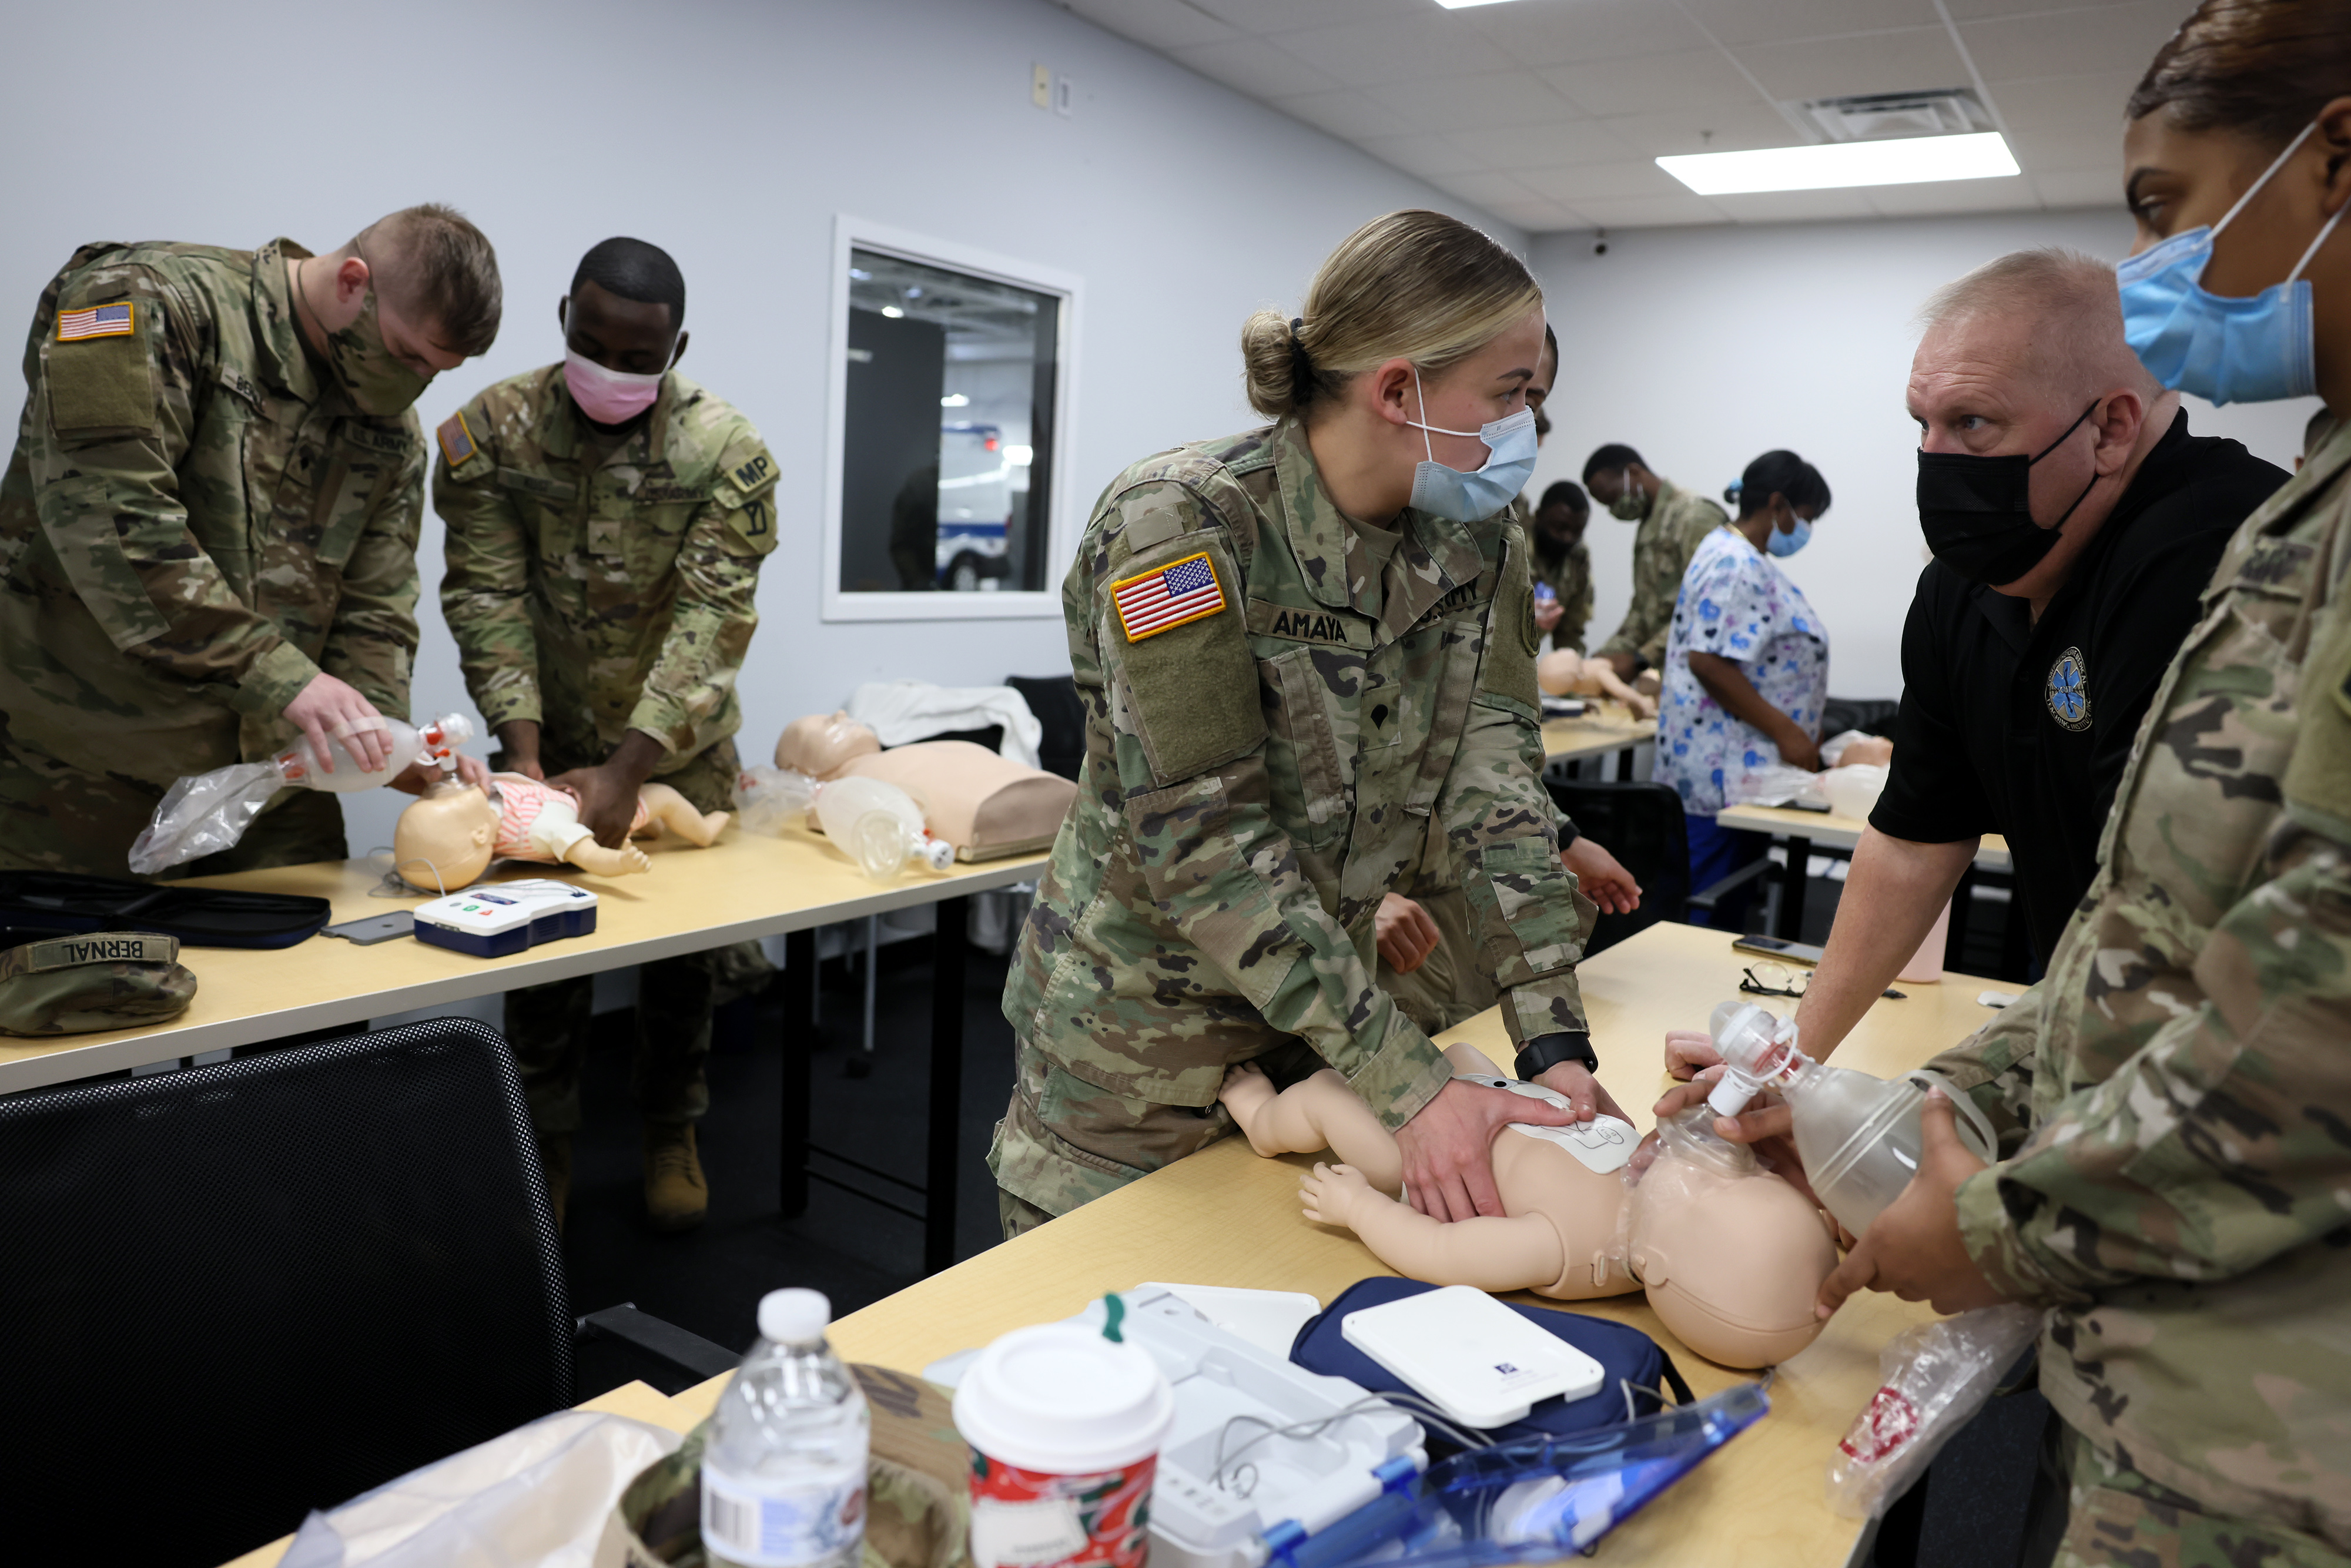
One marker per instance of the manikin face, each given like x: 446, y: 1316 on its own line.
x: 822, y: 744
x: 442, y: 840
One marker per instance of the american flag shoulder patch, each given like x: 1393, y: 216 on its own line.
x: 456, y: 438
x: 96, y: 321
x: 1166, y: 596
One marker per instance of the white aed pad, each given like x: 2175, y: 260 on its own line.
x: 504, y: 917
x: 1471, y: 1356
x: 1603, y: 1144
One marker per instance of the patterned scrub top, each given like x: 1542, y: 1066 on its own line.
x: 1735, y: 601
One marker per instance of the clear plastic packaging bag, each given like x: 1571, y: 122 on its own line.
x: 1775, y: 784
x: 1936, y: 1376
x: 769, y: 800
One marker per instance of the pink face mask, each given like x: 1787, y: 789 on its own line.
x: 608, y: 397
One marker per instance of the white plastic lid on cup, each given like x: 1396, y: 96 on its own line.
x: 1059, y: 1399
x: 794, y: 1316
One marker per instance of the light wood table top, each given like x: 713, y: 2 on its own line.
x: 640, y: 1401
x: 1842, y: 833
x: 1604, y: 726
x: 744, y: 887
x: 1227, y: 1217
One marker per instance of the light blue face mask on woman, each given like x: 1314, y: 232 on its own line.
x: 1789, y: 543
x: 1465, y: 497
x: 2253, y: 349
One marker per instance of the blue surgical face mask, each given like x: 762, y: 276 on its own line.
x: 1465, y: 497
x: 2253, y: 349
x: 1788, y: 544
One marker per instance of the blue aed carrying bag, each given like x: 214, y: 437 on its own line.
x: 1636, y: 1366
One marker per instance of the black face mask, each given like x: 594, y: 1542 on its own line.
x: 1977, y: 511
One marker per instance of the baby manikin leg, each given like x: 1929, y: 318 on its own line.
x: 675, y: 812
x: 1322, y: 1112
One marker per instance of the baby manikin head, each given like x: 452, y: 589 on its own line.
x: 822, y: 744
x: 1560, y: 673
x: 1732, y: 1256
x: 443, y: 839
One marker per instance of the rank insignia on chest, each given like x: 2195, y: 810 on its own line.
x: 1166, y: 596
x: 98, y: 321
x: 2068, y: 691
x: 456, y: 438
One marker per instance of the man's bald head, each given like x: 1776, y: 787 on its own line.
x: 437, y: 269
x: 2052, y: 315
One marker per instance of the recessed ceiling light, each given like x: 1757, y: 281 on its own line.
x: 1905, y: 161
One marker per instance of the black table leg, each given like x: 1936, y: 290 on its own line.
x: 946, y: 1084
x: 1791, y: 885
x: 799, y: 1038
x: 1625, y: 765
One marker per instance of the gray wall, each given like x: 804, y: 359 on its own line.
x: 1705, y: 347
x: 730, y: 133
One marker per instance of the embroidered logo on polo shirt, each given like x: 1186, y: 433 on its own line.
x: 2068, y: 691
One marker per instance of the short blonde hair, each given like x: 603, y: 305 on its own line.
x: 433, y: 264
x: 1413, y: 285
x: 2070, y: 299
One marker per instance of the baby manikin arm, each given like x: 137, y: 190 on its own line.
x: 557, y: 833
x: 1521, y: 1253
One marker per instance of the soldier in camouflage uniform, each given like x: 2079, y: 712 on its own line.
x: 601, y: 585
x: 1563, y: 563
x: 1335, y: 699
x: 1673, y: 523
x: 208, y: 529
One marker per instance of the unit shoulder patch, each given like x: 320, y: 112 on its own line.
x: 456, y: 438
x: 2067, y: 690
x: 751, y: 471
x: 1167, y: 597
x: 119, y: 321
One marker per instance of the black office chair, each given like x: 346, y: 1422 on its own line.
x: 1055, y: 702
x: 1871, y: 715
x: 238, y: 1292
x: 1641, y: 824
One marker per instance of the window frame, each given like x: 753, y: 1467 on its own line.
x: 850, y: 234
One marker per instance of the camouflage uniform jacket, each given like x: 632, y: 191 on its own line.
x: 602, y: 590
x: 1570, y: 578
x: 2180, y: 1081
x: 1257, y: 779
x: 196, y: 521
x: 1662, y: 543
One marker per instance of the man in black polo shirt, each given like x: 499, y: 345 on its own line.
x: 2074, y: 523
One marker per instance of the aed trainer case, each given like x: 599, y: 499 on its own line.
x: 75, y: 905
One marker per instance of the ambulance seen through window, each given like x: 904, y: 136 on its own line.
x: 947, y: 431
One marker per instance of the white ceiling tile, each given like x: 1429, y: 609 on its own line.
x: 1647, y: 83
x: 1503, y: 101
x: 1736, y: 22
x: 2116, y: 39
x: 1157, y: 23
x: 1795, y: 206
x: 1869, y: 62
x: 1430, y: 157
x: 1347, y: 113
x: 1570, y: 32
x: 2066, y: 123
x: 1409, y: 50
x: 1736, y: 128
x: 1976, y: 10
x: 1535, y: 217
x: 1595, y: 182
x: 2014, y: 193
x: 1488, y: 188
x: 1560, y: 145
x: 1255, y: 67
x: 2082, y: 187
x: 1286, y: 16
x: 1651, y: 212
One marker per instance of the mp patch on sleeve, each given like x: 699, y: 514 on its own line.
x: 1166, y: 596
x: 456, y: 437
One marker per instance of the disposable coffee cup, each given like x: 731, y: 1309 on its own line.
x: 1065, y: 1429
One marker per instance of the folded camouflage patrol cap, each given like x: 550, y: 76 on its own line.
x: 104, y: 980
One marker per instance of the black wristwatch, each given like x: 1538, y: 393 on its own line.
x: 1540, y: 1055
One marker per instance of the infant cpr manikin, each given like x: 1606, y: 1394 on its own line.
x: 1568, y: 674
x: 450, y: 835
x: 1732, y: 1257
x: 982, y: 804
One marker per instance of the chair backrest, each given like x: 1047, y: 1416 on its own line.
x: 1871, y: 715
x: 1641, y: 824
x: 1055, y: 702
x: 238, y: 1292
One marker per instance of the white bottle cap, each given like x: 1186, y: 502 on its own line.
x: 794, y: 1317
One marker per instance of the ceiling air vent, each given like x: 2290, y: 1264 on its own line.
x: 1884, y: 116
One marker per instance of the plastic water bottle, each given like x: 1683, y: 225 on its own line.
x: 783, y: 1476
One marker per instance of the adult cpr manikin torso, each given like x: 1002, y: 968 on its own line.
x: 981, y: 803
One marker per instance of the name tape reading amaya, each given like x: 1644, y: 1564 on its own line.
x: 1166, y: 596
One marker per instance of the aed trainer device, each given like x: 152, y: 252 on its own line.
x: 506, y: 917
x: 1470, y: 1355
